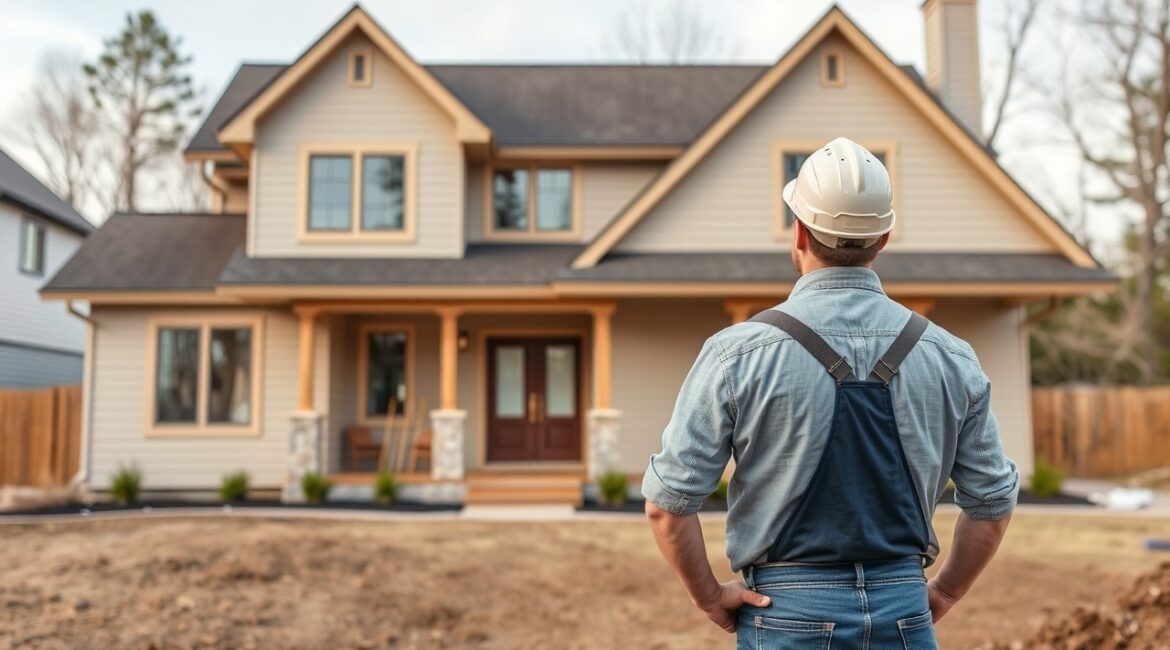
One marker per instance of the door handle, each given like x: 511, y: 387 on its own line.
x: 532, y: 399
x: 540, y: 407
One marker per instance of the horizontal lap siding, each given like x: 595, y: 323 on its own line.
x: 392, y: 110
x: 22, y: 367
x: 726, y: 202
x: 120, y: 394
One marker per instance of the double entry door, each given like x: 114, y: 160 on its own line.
x: 533, y: 399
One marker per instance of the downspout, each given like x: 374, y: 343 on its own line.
x: 211, y: 183
x: 86, y: 398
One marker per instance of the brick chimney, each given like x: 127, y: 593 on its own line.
x: 952, y: 58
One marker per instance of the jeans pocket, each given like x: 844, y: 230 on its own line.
x: 780, y: 633
x: 918, y: 632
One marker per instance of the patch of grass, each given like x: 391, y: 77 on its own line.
x: 612, y: 487
x: 385, y: 487
x: 1047, y: 480
x: 234, y: 486
x: 315, y: 487
x: 126, y: 485
x: 721, y: 491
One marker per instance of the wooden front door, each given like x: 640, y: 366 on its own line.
x: 533, y: 399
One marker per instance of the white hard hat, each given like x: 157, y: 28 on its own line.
x: 843, y: 195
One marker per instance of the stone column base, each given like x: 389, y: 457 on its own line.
x: 447, y: 443
x: 603, y: 426
x: 304, y: 438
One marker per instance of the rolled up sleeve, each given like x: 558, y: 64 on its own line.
x: 696, y: 443
x: 987, y: 482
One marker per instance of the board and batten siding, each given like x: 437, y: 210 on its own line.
x: 24, y: 317
x: 325, y: 109
x: 120, y: 395
x: 726, y: 202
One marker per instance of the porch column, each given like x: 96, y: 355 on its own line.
x: 921, y: 305
x: 448, y: 422
x: 604, y: 422
x: 305, y: 427
x: 738, y: 310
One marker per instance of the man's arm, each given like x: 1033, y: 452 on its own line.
x: 975, y: 542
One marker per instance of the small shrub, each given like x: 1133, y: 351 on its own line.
x: 721, y: 491
x: 385, y: 487
x: 1047, y: 480
x: 126, y: 484
x: 234, y: 486
x: 612, y: 486
x: 315, y: 487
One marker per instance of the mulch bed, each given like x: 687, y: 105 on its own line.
x: 164, y: 504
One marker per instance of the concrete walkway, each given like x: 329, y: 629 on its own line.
x: 1089, y: 487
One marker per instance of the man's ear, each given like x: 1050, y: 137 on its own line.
x: 883, y: 241
x: 800, y: 242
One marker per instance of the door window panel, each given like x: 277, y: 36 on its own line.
x: 560, y: 381
x: 510, y: 381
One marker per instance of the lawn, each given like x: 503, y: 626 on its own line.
x: 235, y: 582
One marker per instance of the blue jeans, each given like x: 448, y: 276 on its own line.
x: 868, y: 606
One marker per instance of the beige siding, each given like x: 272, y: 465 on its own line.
x: 120, y: 395
x: 607, y: 187
x: 726, y: 203
x: 325, y: 109
x: 653, y: 348
x: 1001, y: 343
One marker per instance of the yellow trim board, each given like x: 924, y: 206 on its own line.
x: 240, y: 132
x: 633, y: 152
x: 834, y: 20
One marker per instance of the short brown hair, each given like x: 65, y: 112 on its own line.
x: 846, y: 256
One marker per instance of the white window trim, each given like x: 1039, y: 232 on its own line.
x: 355, y: 234
x: 363, y: 373
x: 491, y: 233
x: 888, y: 148
x: 42, y: 249
x: 201, y: 428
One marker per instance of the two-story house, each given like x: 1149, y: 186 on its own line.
x: 40, y: 343
x: 528, y: 257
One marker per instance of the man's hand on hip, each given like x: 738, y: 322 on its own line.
x: 722, y: 606
x: 940, y: 601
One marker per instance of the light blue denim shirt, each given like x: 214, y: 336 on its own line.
x: 757, y: 395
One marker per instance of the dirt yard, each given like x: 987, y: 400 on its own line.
x: 312, y: 584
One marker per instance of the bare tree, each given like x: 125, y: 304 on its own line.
x: 58, y: 122
x: 679, y: 32
x: 1019, y: 16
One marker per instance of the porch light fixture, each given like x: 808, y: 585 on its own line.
x: 464, y: 340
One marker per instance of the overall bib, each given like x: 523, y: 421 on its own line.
x: 859, y: 518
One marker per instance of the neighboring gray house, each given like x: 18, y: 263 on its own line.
x: 41, y: 344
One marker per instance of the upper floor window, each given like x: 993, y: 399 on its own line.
x: 832, y: 67
x: 203, y: 379
x: 533, y: 202
x: 364, y: 191
x: 32, y: 247
x: 788, y: 159
x: 359, y: 72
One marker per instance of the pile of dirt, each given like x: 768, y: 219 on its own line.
x: 1138, y: 620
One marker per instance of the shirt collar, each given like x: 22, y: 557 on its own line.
x: 838, y: 277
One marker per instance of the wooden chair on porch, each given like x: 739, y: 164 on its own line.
x: 360, y: 448
x: 405, y: 439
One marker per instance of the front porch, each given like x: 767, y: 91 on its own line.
x: 486, y: 401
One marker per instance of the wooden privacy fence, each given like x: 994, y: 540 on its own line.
x: 40, y: 436
x: 1091, y: 431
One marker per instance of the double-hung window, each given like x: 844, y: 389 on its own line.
x: 32, y: 247
x: 204, y: 376
x: 358, y: 193
x: 532, y: 202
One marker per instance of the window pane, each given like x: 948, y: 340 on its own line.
x: 510, y: 381
x: 32, y: 247
x: 554, y: 195
x: 330, y: 192
x: 229, y: 395
x: 386, y: 374
x: 383, y: 200
x: 560, y: 362
x: 831, y: 65
x: 177, y: 380
x: 792, y: 163
x: 359, y: 67
x: 510, y: 199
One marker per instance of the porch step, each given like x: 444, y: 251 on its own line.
x: 544, y: 488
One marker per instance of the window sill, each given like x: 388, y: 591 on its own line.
x: 192, y: 431
x: 559, y: 236
x: 349, y: 237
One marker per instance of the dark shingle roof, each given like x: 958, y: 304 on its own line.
x: 544, y: 105
x: 153, y: 251
x: 19, y: 186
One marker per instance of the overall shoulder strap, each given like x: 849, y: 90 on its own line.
x: 887, y: 366
x: 835, y: 363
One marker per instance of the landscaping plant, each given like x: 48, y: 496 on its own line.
x: 721, y: 491
x: 126, y: 484
x: 234, y: 486
x: 315, y: 487
x: 1047, y: 480
x: 612, y: 486
x: 385, y: 487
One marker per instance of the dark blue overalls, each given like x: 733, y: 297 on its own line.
x: 846, y: 568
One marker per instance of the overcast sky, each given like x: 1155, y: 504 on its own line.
x: 221, y: 34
